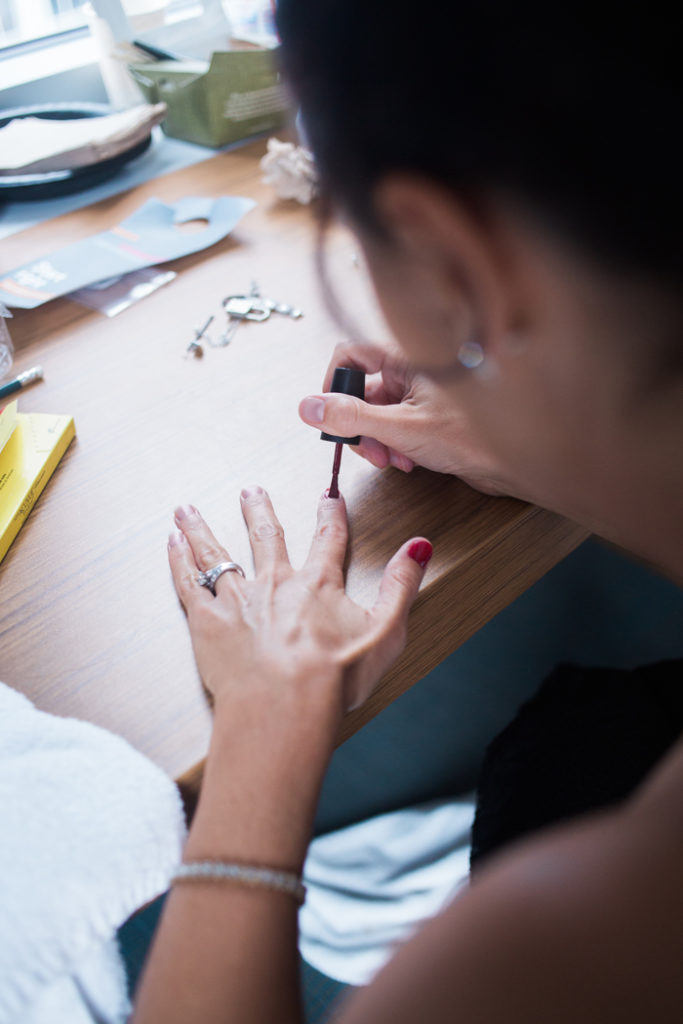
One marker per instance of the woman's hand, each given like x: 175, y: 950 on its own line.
x: 282, y: 653
x: 407, y: 419
x: 279, y: 642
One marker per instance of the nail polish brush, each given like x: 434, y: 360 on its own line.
x: 345, y: 381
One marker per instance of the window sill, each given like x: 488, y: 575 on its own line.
x: 36, y: 65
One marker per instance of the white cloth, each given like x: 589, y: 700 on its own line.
x: 91, y: 831
x: 370, y: 885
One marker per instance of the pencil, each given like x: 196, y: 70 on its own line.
x: 34, y: 374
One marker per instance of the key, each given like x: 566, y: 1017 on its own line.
x: 239, y: 308
x: 283, y: 308
x: 195, y: 347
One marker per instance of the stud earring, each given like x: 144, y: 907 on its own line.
x: 471, y: 355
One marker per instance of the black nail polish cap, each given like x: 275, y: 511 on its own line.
x: 346, y: 381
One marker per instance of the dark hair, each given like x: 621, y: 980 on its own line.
x: 575, y: 114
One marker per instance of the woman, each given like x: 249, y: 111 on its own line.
x: 512, y: 178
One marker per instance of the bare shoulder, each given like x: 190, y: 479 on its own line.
x: 584, y: 923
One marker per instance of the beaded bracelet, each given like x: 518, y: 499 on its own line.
x: 241, y: 874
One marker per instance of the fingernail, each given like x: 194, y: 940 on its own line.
x: 332, y: 497
x: 312, y: 410
x: 420, y: 551
x: 249, y: 492
x: 176, y: 539
x: 396, y: 460
x: 183, y: 511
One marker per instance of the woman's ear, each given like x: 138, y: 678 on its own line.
x: 460, y: 247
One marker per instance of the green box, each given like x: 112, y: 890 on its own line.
x: 236, y: 95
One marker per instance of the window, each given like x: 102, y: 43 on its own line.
x: 28, y: 21
x: 41, y: 39
x: 24, y: 21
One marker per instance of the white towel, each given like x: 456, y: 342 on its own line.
x: 91, y: 831
x: 370, y: 885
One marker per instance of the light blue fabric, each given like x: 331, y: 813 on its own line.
x: 164, y: 155
x: 370, y: 886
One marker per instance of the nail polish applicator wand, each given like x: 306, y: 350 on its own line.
x: 345, y: 381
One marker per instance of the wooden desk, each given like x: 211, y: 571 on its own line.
x: 89, y: 619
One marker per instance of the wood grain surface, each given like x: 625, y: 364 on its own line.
x: 89, y: 622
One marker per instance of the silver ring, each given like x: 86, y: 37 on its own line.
x: 209, y: 577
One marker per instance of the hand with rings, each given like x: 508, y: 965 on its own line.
x: 210, y: 577
x: 288, y: 636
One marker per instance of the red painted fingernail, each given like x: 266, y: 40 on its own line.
x: 421, y: 551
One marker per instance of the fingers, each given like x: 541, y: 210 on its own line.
x: 400, y: 461
x: 328, y: 547
x: 184, y: 571
x: 195, y: 548
x: 398, y: 590
x: 377, y: 454
x: 347, y: 412
x: 266, y: 535
x: 401, y: 582
x: 357, y: 356
x: 205, y: 548
x: 345, y: 416
x: 381, y: 456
